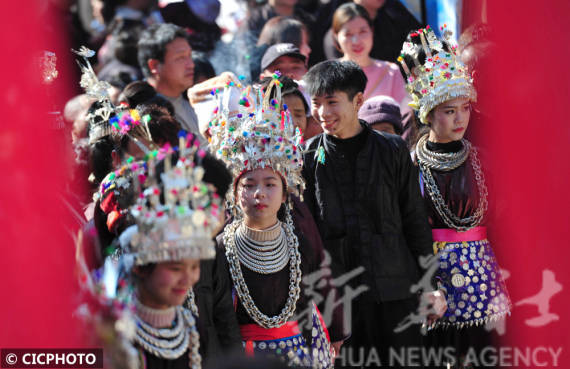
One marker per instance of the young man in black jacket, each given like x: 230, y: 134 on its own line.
x: 363, y: 191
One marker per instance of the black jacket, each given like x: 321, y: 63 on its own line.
x: 217, y: 323
x: 371, y: 214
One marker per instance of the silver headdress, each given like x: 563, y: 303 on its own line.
x: 176, y: 212
x: 109, y: 119
x: 257, y: 133
x: 442, y: 77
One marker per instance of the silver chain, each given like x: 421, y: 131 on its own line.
x: 191, y: 302
x: 450, y: 219
x: 442, y: 161
x: 232, y: 255
x: 171, y: 343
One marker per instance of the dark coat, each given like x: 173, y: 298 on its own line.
x: 371, y: 215
x: 201, y: 35
x: 217, y: 323
x: 260, y: 15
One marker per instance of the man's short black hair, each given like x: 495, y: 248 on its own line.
x: 329, y: 76
x: 153, y: 41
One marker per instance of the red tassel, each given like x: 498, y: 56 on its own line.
x: 249, y: 348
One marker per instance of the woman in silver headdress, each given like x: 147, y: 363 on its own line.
x: 455, y: 192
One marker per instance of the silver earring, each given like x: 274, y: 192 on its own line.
x: 234, y: 210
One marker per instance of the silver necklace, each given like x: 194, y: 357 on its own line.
x: 294, y: 257
x: 263, y: 257
x: 442, y: 161
x: 171, y: 343
x: 450, y: 219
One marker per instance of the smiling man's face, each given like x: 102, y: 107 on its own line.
x: 337, y: 113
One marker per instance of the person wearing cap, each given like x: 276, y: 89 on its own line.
x: 290, y: 62
x: 382, y: 113
x: 285, y: 58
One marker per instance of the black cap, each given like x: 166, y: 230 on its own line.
x: 279, y: 50
x: 379, y: 109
